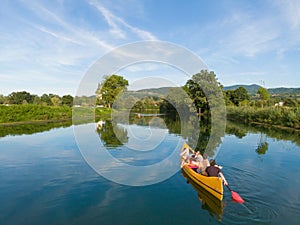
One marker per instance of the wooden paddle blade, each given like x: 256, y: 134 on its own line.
x: 236, y: 197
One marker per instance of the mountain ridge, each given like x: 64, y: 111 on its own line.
x: 251, y: 88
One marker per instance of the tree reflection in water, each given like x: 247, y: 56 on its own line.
x: 31, y: 127
x: 196, y: 132
x: 189, y: 127
x: 112, y: 135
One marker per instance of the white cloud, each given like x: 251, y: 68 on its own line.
x: 47, y: 47
x: 58, y: 35
x: 111, y: 20
x: 116, y: 22
x: 45, y: 42
x: 71, y: 32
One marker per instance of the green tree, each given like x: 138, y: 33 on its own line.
x: 109, y: 89
x: 263, y: 95
x: 290, y: 102
x: 240, y: 95
x: 213, y: 103
x: 196, y: 93
x: 20, y: 97
x: 204, y: 90
x: 228, y: 96
x: 67, y: 100
x: 56, y: 101
x: 46, y: 100
x: 139, y: 106
x: 37, y: 100
x: 237, y: 97
x: 149, y: 103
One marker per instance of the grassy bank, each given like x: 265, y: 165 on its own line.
x: 26, y: 113
x: 33, y: 113
x: 275, y: 116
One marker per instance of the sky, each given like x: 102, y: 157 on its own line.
x: 47, y: 46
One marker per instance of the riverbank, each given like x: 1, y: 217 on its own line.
x: 22, y: 114
x: 30, y: 112
x: 279, y: 117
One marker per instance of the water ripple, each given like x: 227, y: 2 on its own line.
x: 258, y: 212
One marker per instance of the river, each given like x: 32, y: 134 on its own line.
x: 47, y: 178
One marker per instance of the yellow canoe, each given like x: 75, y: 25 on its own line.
x: 213, y: 185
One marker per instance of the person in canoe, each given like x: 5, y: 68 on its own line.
x: 193, y: 163
x: 214, y: 171
x: 203, y: 162
x: 185, y: 154
x: 200, y: 162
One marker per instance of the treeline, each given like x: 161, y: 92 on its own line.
x: 262, y: 98
x: 276, y: 116
x: 262, y: 108
x: 202, y: 93
x: 23, y: 97
x: 138, y: 105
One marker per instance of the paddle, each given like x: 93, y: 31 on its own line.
x: 235, y: 196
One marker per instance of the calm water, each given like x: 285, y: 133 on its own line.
x: 45, y: 180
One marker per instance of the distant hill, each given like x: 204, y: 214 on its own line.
x: 282, y: 90
x: 161, y: 90
x: 252, y: 88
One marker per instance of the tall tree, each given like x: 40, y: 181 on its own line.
x: 196, y: 93
x: 264, y: 95
x: 204, y: 90
x: 240, y: 95
x: 109, y: 89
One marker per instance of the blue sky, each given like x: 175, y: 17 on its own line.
x: 48, y: 46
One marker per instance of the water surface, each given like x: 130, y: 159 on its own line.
x: 45, y: 180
